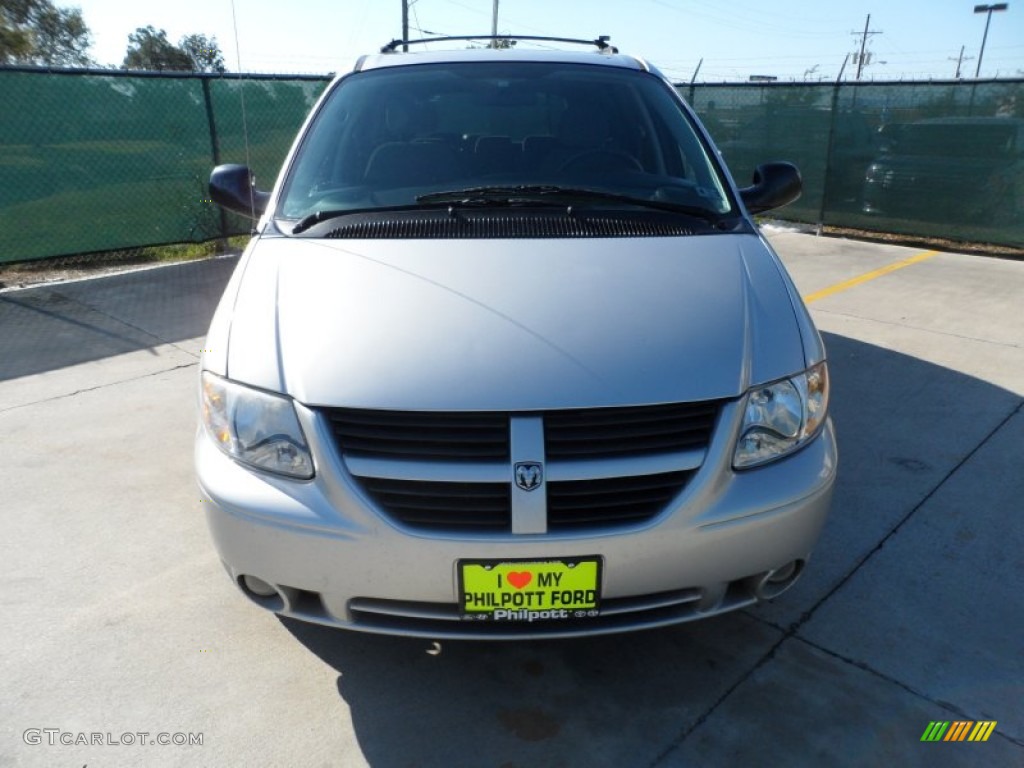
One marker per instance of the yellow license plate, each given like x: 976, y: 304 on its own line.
x: 530, y: 590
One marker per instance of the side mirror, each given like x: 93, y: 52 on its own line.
x: 231, y: 187
x: 774, y: 185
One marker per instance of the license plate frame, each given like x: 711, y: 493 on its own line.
x: 530, y: 589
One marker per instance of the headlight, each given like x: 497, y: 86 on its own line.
x: 782, y: 416
x: 254, y: 427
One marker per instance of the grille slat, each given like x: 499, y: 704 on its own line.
x: 421, y: 436
x: 607, y: 500
x: 452, y: 506
x: 442, y: 620
x: 617, y: 432
x: 612, y: 501
x: 611, y: 447
x: 420, y: 449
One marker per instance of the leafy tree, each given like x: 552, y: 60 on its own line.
x: 62, y: 37
x: 149, y: 48
x: 38, y: 32
x: 503, y: 43
x: 204, y: 53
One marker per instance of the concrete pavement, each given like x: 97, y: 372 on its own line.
x: 118, y: 618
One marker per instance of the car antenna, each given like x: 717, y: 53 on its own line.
x: 245, y: 122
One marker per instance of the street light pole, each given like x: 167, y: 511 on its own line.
x: 405, y: 25
x: 988, y: 20
x: 494, y: 24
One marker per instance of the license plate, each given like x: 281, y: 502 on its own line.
x: 530, y: 590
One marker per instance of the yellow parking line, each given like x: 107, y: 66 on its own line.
x: 832, y: 289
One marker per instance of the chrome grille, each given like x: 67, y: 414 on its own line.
x: 453, y: 472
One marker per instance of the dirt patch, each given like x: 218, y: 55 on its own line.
x: 931, y: 243
x: 28, y: 275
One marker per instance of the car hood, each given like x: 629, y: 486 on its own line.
x: 512, y: 324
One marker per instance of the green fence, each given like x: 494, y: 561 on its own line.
x: 925, y: 159
x: 103, y: 160
x: 100, y: 161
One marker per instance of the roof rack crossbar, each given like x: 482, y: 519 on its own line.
x: 601, y: 42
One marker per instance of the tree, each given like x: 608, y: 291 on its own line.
x: 149, y: 48
x: 204, y: 53
x: 62, y: 37
x: 38, y: 32
x: 503, y: 43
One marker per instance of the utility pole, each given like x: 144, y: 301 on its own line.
x: 959, y: 61
x: 494, y: 24
x: 694, y: 78
x: 863, y: 44
x: 405, y: 24
x: 988, y: 20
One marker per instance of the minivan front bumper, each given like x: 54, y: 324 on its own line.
x: 321, y: 551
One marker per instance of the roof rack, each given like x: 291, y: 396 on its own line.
x: 601, y: 43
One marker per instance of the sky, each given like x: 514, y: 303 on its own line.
x: 788, y: 39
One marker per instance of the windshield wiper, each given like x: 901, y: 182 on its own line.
x: 443, y: 201
x: 523, y: 194
x: 548, y: 192
x: 317, y: 216
x: 325, y: 215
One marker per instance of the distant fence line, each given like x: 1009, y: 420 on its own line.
x: 103, y: 160
x: 935, y: 159
x: 99, y: 160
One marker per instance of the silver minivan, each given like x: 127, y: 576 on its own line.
x: 508, y: 357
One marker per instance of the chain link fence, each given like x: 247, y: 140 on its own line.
x: 943, y: 160
x: 107, y: 161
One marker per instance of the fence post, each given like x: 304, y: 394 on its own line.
x: 833, y: 117
x: 215, y: 152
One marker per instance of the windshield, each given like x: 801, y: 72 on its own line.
x: 389, y: 137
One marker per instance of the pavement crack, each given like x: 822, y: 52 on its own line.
x: 806, y: 615
x: 911, y: 327
x: 115, y: 318
x: 99, y: 386
x: 765, y: 658
x: 791, y: 631
x: 125, y: 323
x: 864, y: 666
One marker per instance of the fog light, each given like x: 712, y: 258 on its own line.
x: 775, y: 582
x: 783, y: 574
x: 258, y: 587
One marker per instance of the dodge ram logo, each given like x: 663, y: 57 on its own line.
x: 529, y: 475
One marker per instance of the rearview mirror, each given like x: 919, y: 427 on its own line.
x: 774, y: 185
x: 231, y: 187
